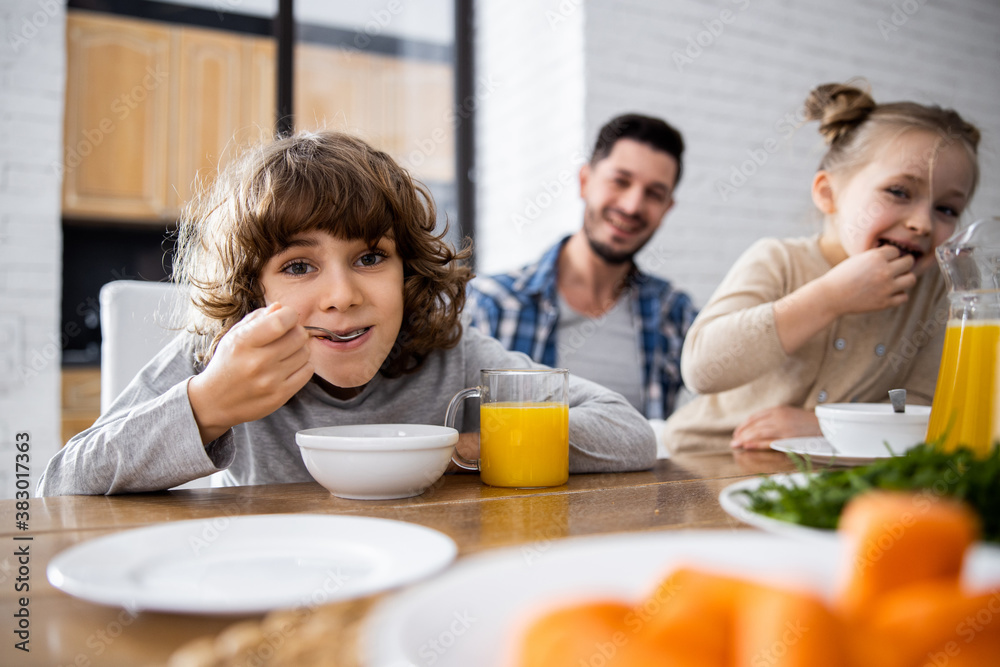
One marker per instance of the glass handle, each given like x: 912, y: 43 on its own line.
x: 449, y: 420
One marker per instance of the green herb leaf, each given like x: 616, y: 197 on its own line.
x: 820, y: 500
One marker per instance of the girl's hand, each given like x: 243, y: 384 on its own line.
x: 765, y: 426
x: 258, y: 365
x: 874, y: 280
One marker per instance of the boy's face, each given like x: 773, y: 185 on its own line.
x: 625, y: 198
x: 344, y: 286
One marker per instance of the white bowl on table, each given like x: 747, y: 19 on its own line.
x: 377, y: 461
x: 865, y: 429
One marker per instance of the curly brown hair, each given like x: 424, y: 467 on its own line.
x: 318, y: 181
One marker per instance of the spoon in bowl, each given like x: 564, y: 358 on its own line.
x: 898, y: 399
x: 320, y: 332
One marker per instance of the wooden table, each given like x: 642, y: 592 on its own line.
x: 680, y: 493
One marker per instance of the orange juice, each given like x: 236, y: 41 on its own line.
x: 524, y: 444
x: 966, y: 409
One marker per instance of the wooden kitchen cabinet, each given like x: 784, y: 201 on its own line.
x: 154, y: 106
x: 226, y: 100
x: 260, y: 98
x: 81, y: 399
x: 117, y: 124
x: 334, y: 90
x: 400, y: 106
x: 425, y: 117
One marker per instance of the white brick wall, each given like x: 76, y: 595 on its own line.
x: 32, y: 81
x: 731, y: 99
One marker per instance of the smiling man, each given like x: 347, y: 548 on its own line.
x: 585, y: 305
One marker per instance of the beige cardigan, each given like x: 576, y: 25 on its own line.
x: 732, y: 357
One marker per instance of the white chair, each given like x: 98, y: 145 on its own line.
x: 138, y: 319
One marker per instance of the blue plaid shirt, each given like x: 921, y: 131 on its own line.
x: 521, y: 310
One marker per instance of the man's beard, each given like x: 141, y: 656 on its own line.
x: 609, y: 255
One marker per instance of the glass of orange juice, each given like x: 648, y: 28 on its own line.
x: 523, y: 427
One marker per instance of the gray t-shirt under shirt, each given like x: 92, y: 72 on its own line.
x: 604, y: 350
x: 148, y: 439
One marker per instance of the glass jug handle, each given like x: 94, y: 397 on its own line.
x: 449, y: 420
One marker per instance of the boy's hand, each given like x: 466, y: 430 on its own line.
x: 762, y: 428
x: 467, y: 446
x: 258, y: 365
x: 874, y: 280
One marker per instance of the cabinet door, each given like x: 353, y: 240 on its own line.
x: 333, y: 91
x: 260, y: 90
x: 116, y: 128
x: 209, y: 112
x: 348, y: 91
x: 226, y: 101
x: 423, y: 118
x: 81, y: 400
x: 400, y: 106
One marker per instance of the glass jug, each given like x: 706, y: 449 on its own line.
x: 966, y: 408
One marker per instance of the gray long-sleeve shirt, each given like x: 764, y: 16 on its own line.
x: 148, y: 439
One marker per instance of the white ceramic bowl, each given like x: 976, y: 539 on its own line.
x: 377, y: 461
x: 864, y: 429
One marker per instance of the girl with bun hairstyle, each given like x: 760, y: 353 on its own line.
x: 849, y: 313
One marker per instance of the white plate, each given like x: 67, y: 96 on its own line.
x: 820, y: 450
x: 472, y: 614
x: 249, y: 564
x: 737, y: 505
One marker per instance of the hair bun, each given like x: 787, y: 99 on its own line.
x: 839, y: 108
x: 965, y: 129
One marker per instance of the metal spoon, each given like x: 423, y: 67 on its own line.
x: 898, y: 399
x: 337, y: 337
